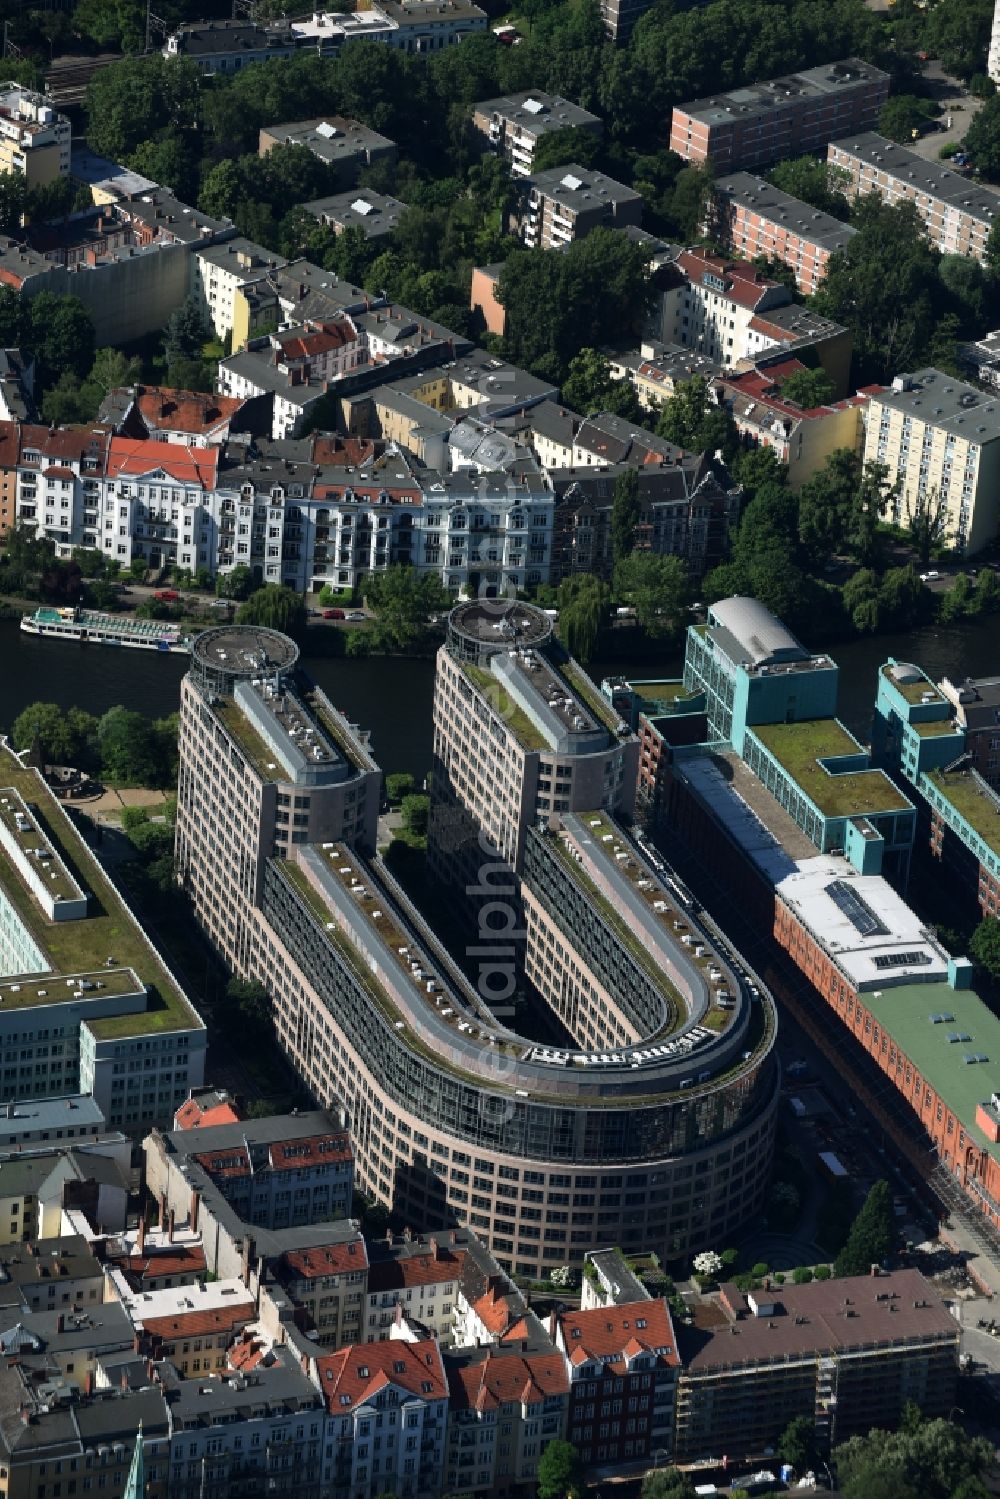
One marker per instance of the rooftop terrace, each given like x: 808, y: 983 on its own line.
x: 799, y: 747
x: 108, y: 932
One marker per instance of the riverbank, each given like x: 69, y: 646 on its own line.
x: 392, y: 696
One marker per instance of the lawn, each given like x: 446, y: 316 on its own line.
x: 528, y: 735
x: 973, y: 800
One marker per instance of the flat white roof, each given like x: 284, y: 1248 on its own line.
x: 179, y: 1301
x: 875, y: 938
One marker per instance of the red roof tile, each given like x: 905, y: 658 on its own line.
x: 612, y: 1333
x: 744, y: 284
x: 433, y: 1268
x: 504, y: 1378
x: 325, y: 1259
x: 283, y: 1155
x: 197, y: 1322
x: 163, y: 407
x: 191, y: 1115
x: 178, y: 1259
x: 130, y: 457
x: 355, y: 1374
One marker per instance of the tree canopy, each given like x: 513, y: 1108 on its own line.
x: 872, y: 1235
x: 276, y: 607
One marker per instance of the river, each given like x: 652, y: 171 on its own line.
x: 392, y: 697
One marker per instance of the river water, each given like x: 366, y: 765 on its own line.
x: 392, y: 697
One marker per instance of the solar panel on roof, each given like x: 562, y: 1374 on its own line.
x: 858, y: 912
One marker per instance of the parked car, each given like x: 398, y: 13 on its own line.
x: 930, y: 577
x: 355, y: 616
x: 167, y: 595
x: 333, y: 614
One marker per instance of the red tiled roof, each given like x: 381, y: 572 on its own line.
x: 178, y: 1259
x: 194, y: 1323
x: 246, y: 1353
x: 355, y: 1374
x: 283, y: 1155
x: 318, y: 341
x: 503, y: 1378
x: 58, y: 473
x: 162, y: 406
x: 133, y: 457
x: 433, y: 1268
x: 65, y: 442
x: 493, y: 1310
x: 745, y: 285
x: 613, y: 1333
x: 326, y: 1259
x: 191, y: 1115
x: 329, y: 447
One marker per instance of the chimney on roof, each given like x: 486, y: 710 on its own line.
x: 170, y: 1227
x: 141, y: 1240
x: 161, y: 1219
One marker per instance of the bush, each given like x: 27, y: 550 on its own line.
x: 823, y: 1272
x: 399, y: 785
x: 759, y: 1269
x: 802, y: 1276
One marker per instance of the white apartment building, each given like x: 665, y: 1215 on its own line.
x: 940, y: 438
x: 728, y: 311
x: 388, y: 1409
x: 957, y: 215
x: 221, y: 270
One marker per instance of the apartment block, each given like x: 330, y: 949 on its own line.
x: 304, y: 775
x: 162, y: 413
x: 762, y: 123
x: 347, y: 145
x: 514, y: 124
x: 657, y: 371
x: 753, y: 219
x: 845, y: 1354
x: 627, y: 1351
x: 728, y: 311
x: 71, y: 1020
x: 504, y: 1408
x: 275, y: 1173
x: 375, y: 214
x: 526, y: 726
x: 620, y: 16
x: 221, y: 270
x: 128, y: 261
x: 957, y: 215
x: 801, y: 438
x: 35, y: 140
x: 565, y: 203
x: 940, y: 440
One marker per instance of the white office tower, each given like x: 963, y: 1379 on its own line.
x: 993, y: 62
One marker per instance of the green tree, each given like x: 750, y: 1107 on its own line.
x: 398, y: 785
x: 416, y: 811
x: 982, y: 140
x: 128, y: 748
x: 401, y: 598
x: 797, y: 1444
x: 826, y: 504
x: 253, y: 1002
x: 276, y: 607
x: 694, y: 421
x: 667, y: 1483
x: 872, y: 1234
x: 874, y: 494
x: 60, y: 334
x: 131, y: 101
x: 884, y: 286
x: 66, y: 736
x: 570, y: 146
x: 583, y: 608
x: 560, y: 1472
x: 932, y: 1460
x: 808, y: 388
x: 657, y: 587
x: 984, y: 944
x: 625, y: 513
x: 862, y: 601
x: 589, y: 387
x: 185, y: 332
x: 927, y: 522
x: 815, y: 182
x: 238, y: 584
x: 904, y: 117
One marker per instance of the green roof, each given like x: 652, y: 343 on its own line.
x: 242, y: 731
x: 914, y: 692
x: 972, y: 799
x: 84, y: 946
x: 799, y: 746
x: 935, y: 728
x: 529, y: 736
x: 904, y: 1013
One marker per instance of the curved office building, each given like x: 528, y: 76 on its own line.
x: 651, y: 1125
